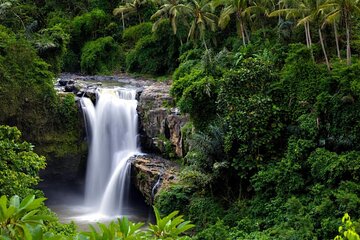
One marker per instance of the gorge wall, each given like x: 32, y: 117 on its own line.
x: 159, y: 127
x: 160, y: 124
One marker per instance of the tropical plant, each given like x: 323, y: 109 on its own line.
x: 168, y: 9
x: 102, y: 55
x: 347, y: 231
x: 305, y: 12
x: 123, y: 229
x: 51, y: 45
x: 21, y: 219
x: 11, y: 8
x: 169, y: 227
x: 297, y: 10
x: 200, y: 14
x: 130, y: 9
x: 346, y: 10
x: 241, y: 9
x: 19, y: 165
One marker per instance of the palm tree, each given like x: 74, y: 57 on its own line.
x: 239, y: 8
x: 259, y: 10
x: 305, y: 12
x: 130, y: 9
x: 202, y: 18
x: 297, y: 10
x: 316, y: 13
x: 343, y: 9
x: 168, y: 9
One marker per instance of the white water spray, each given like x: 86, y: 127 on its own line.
x: 113, y: 125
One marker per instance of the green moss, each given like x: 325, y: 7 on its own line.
x: 69, y: 143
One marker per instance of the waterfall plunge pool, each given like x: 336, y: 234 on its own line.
x: 112, y: 133
x: 67, y: 201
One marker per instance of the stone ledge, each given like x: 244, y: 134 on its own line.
x: 151, y: 173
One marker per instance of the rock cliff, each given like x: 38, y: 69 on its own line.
x: 159, y: 123
x: 152, y: 173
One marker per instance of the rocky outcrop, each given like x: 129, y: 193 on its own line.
x: 160, y: 124
x: 150, y: 174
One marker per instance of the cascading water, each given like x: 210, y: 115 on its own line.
x: 113, y: 127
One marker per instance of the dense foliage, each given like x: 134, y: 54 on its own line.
x: 19, y: 164
x: 273, y: 143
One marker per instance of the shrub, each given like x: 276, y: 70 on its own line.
x: 204, y: 211
x: 51, y: 45
x: 184, y: 69
x: 170, y: 227
x: 216, y: 231
x: 102, y: 55
x: 134, y: 33
x: 23, y: 73
x: 198, y: 100
x: 348, y: 230
x: 19, y: 165
x: 153, y: 54
x: 172, y: 198
x: 250, y: 116
x: 88, y: 26
x: 145, y: 57
x: 21, y: 219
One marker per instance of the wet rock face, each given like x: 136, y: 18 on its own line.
x: 160, y: 125
x: 150, y: 174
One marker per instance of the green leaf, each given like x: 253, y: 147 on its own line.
x: 26, y: 201
x: 15, y: 201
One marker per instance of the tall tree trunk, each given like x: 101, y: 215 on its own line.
x: 204, y: 42
x: 309, y: 34
x: 337, y: 41
x: 242, y: 33
x: 348, y: 49
x: 306, y: 36
x: 247, y: 35
x: 123, y: 21
x: 324, y: 50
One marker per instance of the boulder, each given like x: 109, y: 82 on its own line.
x: 150, y: 174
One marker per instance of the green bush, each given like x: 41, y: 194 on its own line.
x: 199, y: 101
x: 51, y: 44
x: 214, y: 232
x: 179, y: 85
x: 21, y: 219
x: 153, y: 54
x: 250, y: 116
x: 184, y: 69
x: 134, y: 33
x: 144, y: 58
x: 102, y: 55
x: 348, y: 229
x: 204, y: 211
x: 26, y: 87
x: 174, y: 197
x: 170, y: 227
x: 330, y: 168
x: 19, y: 165
x: 301, y: 80
x: 89, y: 25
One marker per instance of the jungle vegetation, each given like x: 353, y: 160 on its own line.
x: 272, y: 89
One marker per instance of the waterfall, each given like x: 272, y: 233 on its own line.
x: 113, y: 127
